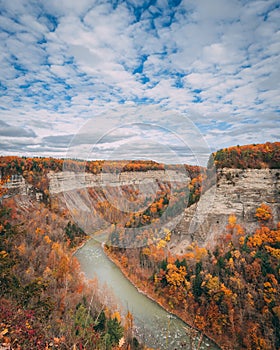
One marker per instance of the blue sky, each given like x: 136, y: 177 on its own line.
x: 164, y: 79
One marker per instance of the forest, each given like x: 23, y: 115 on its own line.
x: 230, y: 292
x: 46, y: 303
x: 34, y: 170
x: 254, y: 156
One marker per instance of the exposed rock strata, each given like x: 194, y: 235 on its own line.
x: 237, y: 192
x: 67, y: 181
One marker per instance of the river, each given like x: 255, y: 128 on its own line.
x: 153, y: 325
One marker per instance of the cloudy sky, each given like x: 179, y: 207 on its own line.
x: 164, y: 79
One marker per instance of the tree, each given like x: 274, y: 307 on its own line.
x: 263, y: 213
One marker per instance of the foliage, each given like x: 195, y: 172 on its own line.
x: 74, y: 234
x: 226, y: 292
x: 45, y: 302
x: 263, y: 213
x: 249, y: 156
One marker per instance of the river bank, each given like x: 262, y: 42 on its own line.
x: 150, y: 294
x: 153, y: 325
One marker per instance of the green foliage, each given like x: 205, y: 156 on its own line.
x: 111, y: 329
x: 101, y: 322
x: 114, y: 331
x: 74, y: 233
x: 83, y: 322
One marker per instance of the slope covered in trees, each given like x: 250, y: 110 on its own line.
x: 254, y: 156
x: 45, y: 303
x: 35, y: 170
x: 231, y: 293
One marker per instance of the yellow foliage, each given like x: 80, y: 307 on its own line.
x: 256, y: 240
x: 168, y: 235
x: 232, y: 221
x: 175, y: 276
x: 212, y: 283
x: 200, y: 253
x: 57, y: 248
x: 117, y: 316
x: 273, y: 251
x: 161, y: 244
x: 47, y: 239
x: 5, y: 331
x: 231, y: 263
x: 156, y: 279
x: 146, y: 251
x: 236, y: 254
x: 241, y: 240
x: 189, y: 256
x: 226, y: 290
x: 240, y: 230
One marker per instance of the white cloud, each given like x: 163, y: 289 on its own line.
x: 66, y: 62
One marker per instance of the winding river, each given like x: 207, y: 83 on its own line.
x: 153, y: 325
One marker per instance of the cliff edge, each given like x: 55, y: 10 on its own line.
x: 238, y: 192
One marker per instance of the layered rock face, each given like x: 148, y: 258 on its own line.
x: 237, y: 191
x: 67, y: 181
x: 17, y: 184
x: 73, y: 187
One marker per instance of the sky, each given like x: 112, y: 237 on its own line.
x: 169, y: 80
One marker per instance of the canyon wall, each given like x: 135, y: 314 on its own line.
x: 68, y: 181
x: 237, y: 191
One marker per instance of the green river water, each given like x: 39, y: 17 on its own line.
x: 153, y: 325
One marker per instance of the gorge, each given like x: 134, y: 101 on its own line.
x: 216, y: 265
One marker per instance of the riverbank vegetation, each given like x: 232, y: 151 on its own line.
x: 45, y: 301
x: 230, y: 293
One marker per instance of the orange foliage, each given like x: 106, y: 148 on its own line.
x: 249, y: 156
x: 263, y: 213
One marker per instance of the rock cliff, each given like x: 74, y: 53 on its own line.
x: 67, y: 181
x: 237, y: 192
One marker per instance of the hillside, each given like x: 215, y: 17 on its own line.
x: 203, y: 242
x: 219, y: 268
x: 231, y: 292
x: 244, y: 177
x: 236, y: 192
x: 45, y: 301
x: 254, y: 156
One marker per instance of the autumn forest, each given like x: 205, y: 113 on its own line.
x: 229, y: 291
